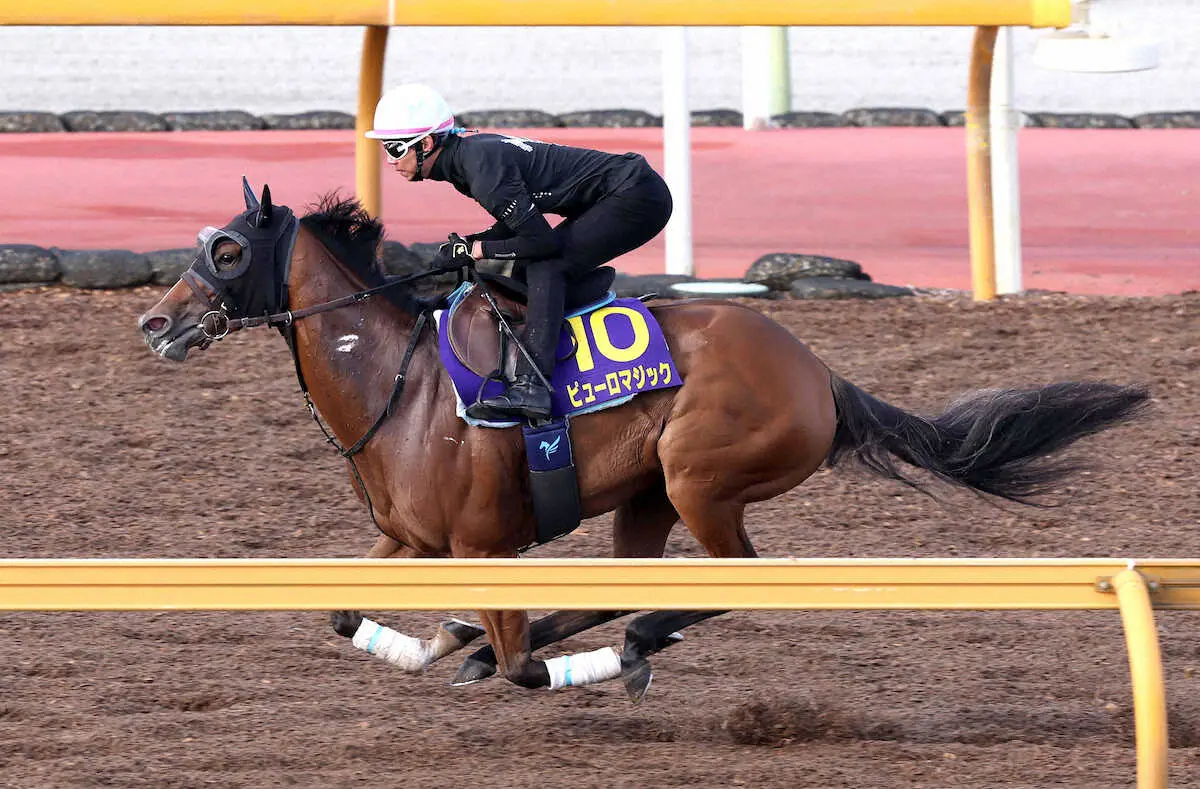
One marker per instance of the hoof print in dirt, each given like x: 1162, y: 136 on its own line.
x: 833, y: 288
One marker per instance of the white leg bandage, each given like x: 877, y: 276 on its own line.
x: 586, y: 668
x: 410, y: 654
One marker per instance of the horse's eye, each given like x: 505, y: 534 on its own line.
x: 226, y: 260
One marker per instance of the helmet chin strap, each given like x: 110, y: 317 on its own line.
x: 420, y: 151
x: 422, y: 154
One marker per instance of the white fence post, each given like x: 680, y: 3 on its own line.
x: 1006, y: 188
x: 766, y: 75
x: 677, y: 149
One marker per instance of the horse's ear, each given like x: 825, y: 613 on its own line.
x: 265, y: 207
x: 248, y: 193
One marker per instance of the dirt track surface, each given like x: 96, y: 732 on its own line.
x: 107, y: 451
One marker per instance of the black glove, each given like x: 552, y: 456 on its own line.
x: 456, y: 250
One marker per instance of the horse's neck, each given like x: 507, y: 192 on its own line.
x: 350, y: 356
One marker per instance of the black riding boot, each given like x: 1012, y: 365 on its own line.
x: 526, y: 396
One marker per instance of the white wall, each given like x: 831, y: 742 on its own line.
x: 562, y: 69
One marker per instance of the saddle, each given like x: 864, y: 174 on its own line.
x: 474, y: 332
x: 618, y: 352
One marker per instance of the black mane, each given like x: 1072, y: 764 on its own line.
x: 354, y: 237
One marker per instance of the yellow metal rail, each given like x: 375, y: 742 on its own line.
x: 1032, y: 13
x: 325, y: 584
x: 454, y: 584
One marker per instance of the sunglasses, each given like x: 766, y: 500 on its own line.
x: 396, y: 150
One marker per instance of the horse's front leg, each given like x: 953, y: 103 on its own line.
x: 408, y: 653
x: 509, y: 633
x: 550, y: 629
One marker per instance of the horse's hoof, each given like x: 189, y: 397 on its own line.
x: 462, y: 631
x: 637, y: 678
x: 345, y: 623
x: 472, y: 671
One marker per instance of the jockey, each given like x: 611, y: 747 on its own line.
x: 611, y: 204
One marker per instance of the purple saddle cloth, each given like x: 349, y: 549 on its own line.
x: 608, y: 353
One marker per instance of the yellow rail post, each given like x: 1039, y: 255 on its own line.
x: 979, y: 165
x: 1145, y: 668
x: 370, y: 88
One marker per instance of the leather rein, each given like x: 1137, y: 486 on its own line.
x: 216, y: 324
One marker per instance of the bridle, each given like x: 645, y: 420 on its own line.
x: 215, y: 324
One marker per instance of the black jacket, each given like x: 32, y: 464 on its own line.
x: 518, y: 180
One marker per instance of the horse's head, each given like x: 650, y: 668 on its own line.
x: 240, y: 270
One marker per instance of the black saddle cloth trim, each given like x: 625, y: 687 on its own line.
x: 587, y: 290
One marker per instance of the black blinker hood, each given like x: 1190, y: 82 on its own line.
x: 266, y: 234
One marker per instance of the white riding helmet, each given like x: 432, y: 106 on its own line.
x: 411, y: 111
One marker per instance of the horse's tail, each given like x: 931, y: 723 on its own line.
x: 993, y: 441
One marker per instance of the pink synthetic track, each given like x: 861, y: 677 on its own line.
x: 1103, y: 211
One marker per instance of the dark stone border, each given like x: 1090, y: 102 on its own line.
x: 786, y: 274
x: 237, y: 120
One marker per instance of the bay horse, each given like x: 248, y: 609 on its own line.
x: 757, y: 413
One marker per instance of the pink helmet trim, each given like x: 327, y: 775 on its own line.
x: 446, y: 124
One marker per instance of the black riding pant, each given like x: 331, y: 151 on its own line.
x: 618, y: 223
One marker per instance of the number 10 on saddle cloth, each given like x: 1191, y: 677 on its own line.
x: 607, y: 354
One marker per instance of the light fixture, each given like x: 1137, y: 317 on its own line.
x: 1082, y: 47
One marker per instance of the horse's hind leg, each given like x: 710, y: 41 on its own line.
x: 640, y: 530
x: 719, y: 528
x: 410, y: 654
